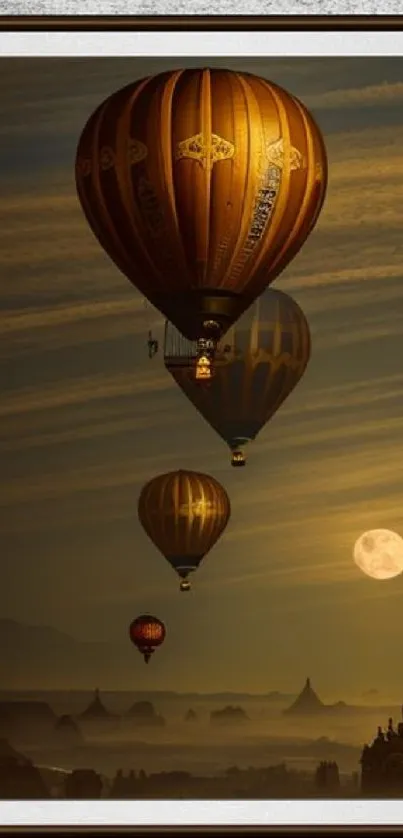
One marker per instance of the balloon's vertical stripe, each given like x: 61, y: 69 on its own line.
x: 251, y: 157
x: 204, y: 201
x: 309, y: 167
x: 107, y: 204
x: 282, y: 198
x: 160, y: 117
x: 127, y: 174
x: 228, y: 183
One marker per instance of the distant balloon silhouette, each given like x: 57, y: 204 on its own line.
x: 257, y: 365
x: 147, y: 632
x: 184, y: 513
x: 201, y: 185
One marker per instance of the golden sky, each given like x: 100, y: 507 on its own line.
x: 86, y: 418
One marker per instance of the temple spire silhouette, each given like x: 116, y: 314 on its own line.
x: 96, y: 709
x: 306, y: 702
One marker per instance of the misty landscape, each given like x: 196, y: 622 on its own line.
x: 216, y: 744
x: 163, y: 732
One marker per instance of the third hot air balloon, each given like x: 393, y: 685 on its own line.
x: 184, y: 513
x: 258, y: 363
x: 201, y: 185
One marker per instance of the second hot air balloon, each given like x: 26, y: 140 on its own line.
x: 257, y: 365
x: 184, y: 513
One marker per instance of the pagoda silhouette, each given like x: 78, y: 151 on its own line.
x: 307, y: 703
x: 96, y: 710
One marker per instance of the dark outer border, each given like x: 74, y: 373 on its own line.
x: 202, y: 23
x: 200, y: 830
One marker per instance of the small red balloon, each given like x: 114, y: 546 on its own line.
x: 147, y: 633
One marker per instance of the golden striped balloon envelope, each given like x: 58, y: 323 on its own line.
x: 257, y: 365
x: 184, y: 513
x: 201, y: 185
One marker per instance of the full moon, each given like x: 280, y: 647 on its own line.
x: 379, y: 554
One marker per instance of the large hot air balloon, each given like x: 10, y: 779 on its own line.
x: 184, y: 513
x: 147, y: 632
x: 257, y: 365
x: 201, y: 185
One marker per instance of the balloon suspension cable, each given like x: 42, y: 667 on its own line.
x: 152, y: 345
x: 184, y: 585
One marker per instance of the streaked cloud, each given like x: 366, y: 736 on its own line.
x: 365, y: 96
x: 22, y: 319
x: 81, y: 391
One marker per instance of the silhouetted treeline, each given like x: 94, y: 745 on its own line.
x: 20, y: 779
